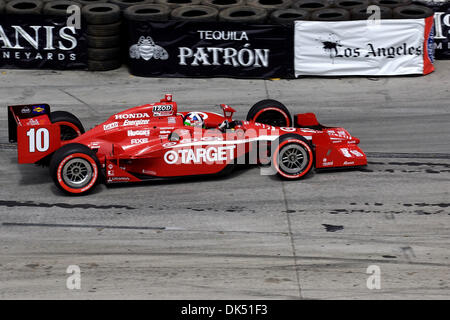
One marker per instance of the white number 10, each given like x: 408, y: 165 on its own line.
x: 38, y: 139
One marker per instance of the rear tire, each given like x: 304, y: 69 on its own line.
x: 75, y: 169
x: 293, y: 157
x: 270, y: 112
x: 69, y: 124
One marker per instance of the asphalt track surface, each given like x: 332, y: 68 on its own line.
x: 246, y: 236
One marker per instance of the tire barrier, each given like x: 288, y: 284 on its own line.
x: 361, y: 13
x: 270, y: 5
x: 103, y: 35
x: 24, y: 7
x: 330, y: 14
x: 391, y: 3
x: 288, y: 16
x: 223, y: 4
x: 412, y: 12
x: 311, y: 5
x: 177, y: 3
x: 243, y: 14
x: 195, y: 13
x: 123, y: 4
x: 351, y: 4
x: 58, y: 7
x: 147, y: 12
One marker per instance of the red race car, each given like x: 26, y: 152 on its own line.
x: 156, y: 141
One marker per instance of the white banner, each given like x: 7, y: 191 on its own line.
x: 393, y: 47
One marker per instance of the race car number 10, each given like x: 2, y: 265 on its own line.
x: 38, y: 139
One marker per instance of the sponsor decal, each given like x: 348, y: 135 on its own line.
x: 139, y: 141
x: 199, y: 155
x: 25, y: 110
x: 327, y: 164
x: 123, y: 116
x: 118, y: 179
x: 210, y: 49
x: 110, y: 126
x: 41, y: 41
x: 351, y: 153
x: 162, y: 110
x: 147, y: 49
x: 349, y: 162
x: 133, y: 133
x: 171, y: 120
x: 33, y: 122
x: 38, y: 109
x: 110, y: 166
x: 393, y: 47
x: 135, y: 122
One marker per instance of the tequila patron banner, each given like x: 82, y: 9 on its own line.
x: 209, y: 49
x: 41, y: 41
x: 348, y: 48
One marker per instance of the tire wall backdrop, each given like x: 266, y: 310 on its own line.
x: 108, y: 43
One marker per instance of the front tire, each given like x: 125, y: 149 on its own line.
x: 270, y: 112
x: 293, y: 157
x: 75, y: 169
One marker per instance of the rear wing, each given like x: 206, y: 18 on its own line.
x: 22, y: 114
x: 30, y: 126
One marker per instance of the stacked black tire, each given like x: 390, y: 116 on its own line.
x: 104, y: 21
x: 271, y: 11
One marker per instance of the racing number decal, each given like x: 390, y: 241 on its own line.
x: 38, y: 139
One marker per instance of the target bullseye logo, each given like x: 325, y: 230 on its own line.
x: 171, y: 157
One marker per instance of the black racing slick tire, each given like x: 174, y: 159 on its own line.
x: 331, y: 14
x: 2, y: 6
x: 270, y: 112
x: 311, y: 5
x: 103, y: 42
x: 351, y: 4
x: 223, y: 4
x: 195, y: 13
x: 24, y: 7
x: 103, y: 54
x: 412, y: 12
x: 59, y: 7
x: 147, y: 12
x: 177, y: 3
x: 292, y: 156
x: 101, y: 13
x: 287, y: 16
x: 391, y: 3
x: 270, y: 5
x: 246, y: 14
x: 75, y: 169
x: 104, y: 30
x: 70, y: 126
x: 123, y: 4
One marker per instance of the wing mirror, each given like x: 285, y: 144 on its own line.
x: 227, y: 111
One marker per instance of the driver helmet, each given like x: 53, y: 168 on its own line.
x: 194, y: 119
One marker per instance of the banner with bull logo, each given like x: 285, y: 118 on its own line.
x: 209, y: 49
x: 41, y: 41
x: 348, y: 48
